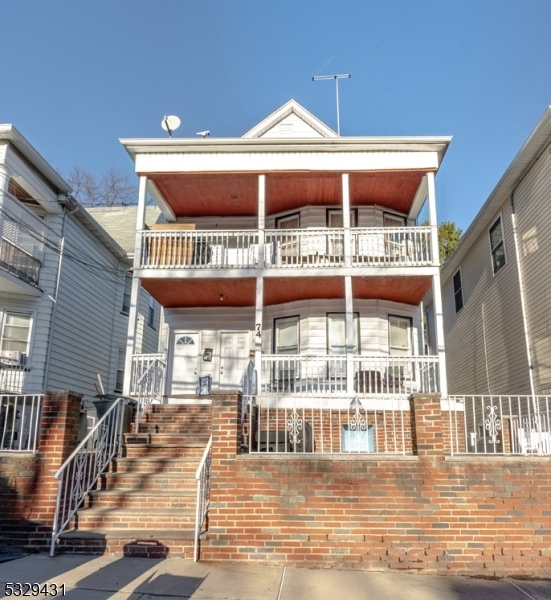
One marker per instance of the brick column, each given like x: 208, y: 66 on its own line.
x: 226, y: 422
x: 59, y: 429
x: 429, y: 429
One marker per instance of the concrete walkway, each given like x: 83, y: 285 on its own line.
x: 102, y: 578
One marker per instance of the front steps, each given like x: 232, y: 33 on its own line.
x: 144, y: 506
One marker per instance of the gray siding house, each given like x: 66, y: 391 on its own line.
x: 496, y: 287
x: 64, y: 284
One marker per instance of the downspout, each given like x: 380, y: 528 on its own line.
x: 522, y: 300
x: 54, y: 300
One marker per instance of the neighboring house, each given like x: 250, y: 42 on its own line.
x: 295, y: 248
x: 496, y: 286
x: 64, y: 283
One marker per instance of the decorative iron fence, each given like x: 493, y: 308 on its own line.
x: 80, y: 472
x: 202, y: 476
x: 20, y: 422
x: 344, y: 426
x: 147, y: 381
x: 314, y: 375
x: 500, y: 425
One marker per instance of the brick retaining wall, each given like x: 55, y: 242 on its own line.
x: 486, y: 516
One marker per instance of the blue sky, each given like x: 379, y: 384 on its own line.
x: 76, y: 76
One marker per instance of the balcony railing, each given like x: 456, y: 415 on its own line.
x: 19, y: 422
x: 22, y: 246
x: 323, y: 375
x: 285, y: 248
x: 500, y: 425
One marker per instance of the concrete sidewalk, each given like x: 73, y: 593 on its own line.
x: 102, y: 578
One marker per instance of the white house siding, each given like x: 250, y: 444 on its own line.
x: 532, y: 204
x: 291, y: 126
x: 87, y: 317
x: 492, y: 301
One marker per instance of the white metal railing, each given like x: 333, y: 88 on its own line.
x: 396, y: 374
x: 285, y: 248
x: 202, y: 476
x: 80, y: 472
x: 315, y: 375
x: 500, y: 424
x: 292, y: 248
x: 214, y: 249
x: 20, y: 422
x: 348, y: 426
x: 391, y: 246
x: 12, y: 377
x: 147, y: 381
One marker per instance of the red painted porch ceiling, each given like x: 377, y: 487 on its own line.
x: 236, y: 194
x: 174, y: 293
x: 409, y: 290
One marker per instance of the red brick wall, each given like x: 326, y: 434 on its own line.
x: 27, y: 486
x: 428, y: 512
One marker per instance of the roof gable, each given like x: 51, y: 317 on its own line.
x: 290, y: 121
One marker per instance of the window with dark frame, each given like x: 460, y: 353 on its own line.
x: 497, y: 246
x: 286, y: 335
x: 126, y: 295
x: 151, y: 312
x: 458, y: 291
x: 119, y: 375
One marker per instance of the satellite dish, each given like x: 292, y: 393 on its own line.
x: 170, y: 124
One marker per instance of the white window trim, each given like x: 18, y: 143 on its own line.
x: 500, y: 219
x: 460, y: 290
x: 410, y: 334
x: 356, y: 317
x: 20, y: 313
x: 297, y: 317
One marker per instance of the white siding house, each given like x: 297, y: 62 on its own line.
x: 496, y: 286
x: 294, y: 250
x: 63, y: 311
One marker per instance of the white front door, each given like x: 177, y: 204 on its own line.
x: 234, y: 357
x: 185, y: 363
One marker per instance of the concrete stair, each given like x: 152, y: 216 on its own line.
x: 145, y: 504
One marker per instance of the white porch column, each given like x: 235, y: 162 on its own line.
x: 346, y: 219
x: 259, y: 302
x: 350, y: 337
x: 135, y: 293
x: 436, y: 290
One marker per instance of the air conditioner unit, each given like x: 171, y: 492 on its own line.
x: 14, y: 356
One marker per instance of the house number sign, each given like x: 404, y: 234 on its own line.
x: 258, y: 330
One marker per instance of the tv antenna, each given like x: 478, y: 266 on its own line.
x: 170, y: 124
x: 336, y: 78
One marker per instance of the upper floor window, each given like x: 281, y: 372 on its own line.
x: 336, y: 333
x: 16, y: 329
x: 399, y: 336
x: 391, y: 220
x: 151, y: 312
x: 119, y: 372
x: 458, y: 291
x: 288, y: 221
x: 497, y: 246
x: 335, y: 218
x: 286, y: 335
x: 125, y: 308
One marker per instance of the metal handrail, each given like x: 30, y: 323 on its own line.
x: 149, y: 387
x: 80, y: 472
x: 202, y: 476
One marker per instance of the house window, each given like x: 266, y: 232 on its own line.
x: 335, y: 220
x: 151, y: 312
x: 458, y: 291
x: 497, y: 246
x: 336, y: 333
x: 399, y: 336
x: 16, y: 329
x: 119, y: 376
x: 391, y: 220
x: 286, y: 335
x: 288, y: 221
x: 125, y: 309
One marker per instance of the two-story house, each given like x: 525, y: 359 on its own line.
x: 294, y: 252
x: 64, y: 284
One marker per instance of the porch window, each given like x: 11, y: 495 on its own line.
x: 458, y: 291
x: 497, y: 246
x: 151, y: 312
x: 335, y: 220
x: 16, y: 329
x: 119, y: 374
x: 336, y: 333
x: 286, y: 335
x: 399, y: 336
x: 391, y: 220
x: 288, y: 221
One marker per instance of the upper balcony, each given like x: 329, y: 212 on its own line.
x: 285, y: 249
x: 22, y: 244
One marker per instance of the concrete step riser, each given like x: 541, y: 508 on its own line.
x: 152, y: 466
x: 174, y: 428
x: 90, y: 523
x: 147, y: 485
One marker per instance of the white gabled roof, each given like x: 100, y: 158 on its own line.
x: 291, y: 121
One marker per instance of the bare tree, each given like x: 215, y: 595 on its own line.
x: 113, y: 188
